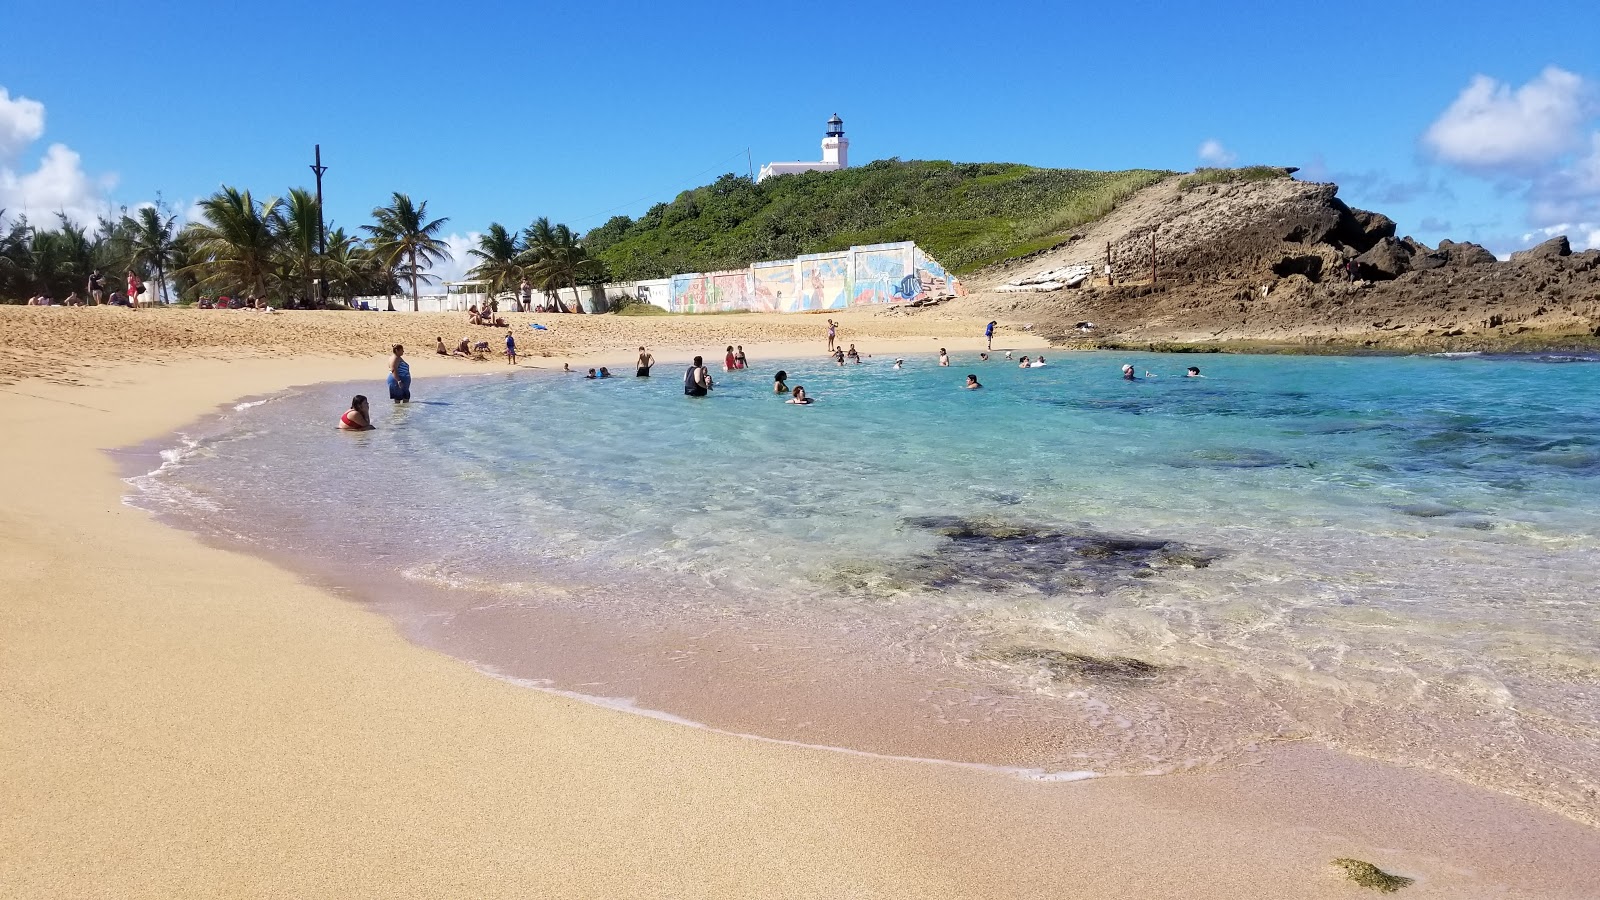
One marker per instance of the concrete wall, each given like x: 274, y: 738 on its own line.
x: 860, y: 276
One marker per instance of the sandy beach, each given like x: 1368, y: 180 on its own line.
x: 179, y: 720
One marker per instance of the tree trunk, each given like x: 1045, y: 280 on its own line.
x: 577, y: 299
x: 416, y: 301
x: 161, y: 280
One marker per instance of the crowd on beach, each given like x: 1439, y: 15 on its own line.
x: 697, y: 380
x: 95, y: 293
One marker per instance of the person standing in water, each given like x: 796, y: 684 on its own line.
x: 972, y: 383
x: 399, y: 376
x: 511, y: 348
x: 944, y: 357
x: 738, y: 357
x: 728, y: 362
x: 833, y: 333
x: 697, y: 381
x: 988, y: 333
x: 799, y: 398
x: 780, y: 382
x: 1127, y: 372
x: 646, y: 360
x: 1194, y: 372
x: 358, y: 417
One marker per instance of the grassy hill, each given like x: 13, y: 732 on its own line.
x: 967, y: 215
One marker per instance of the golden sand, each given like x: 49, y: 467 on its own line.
x: 178, y: 720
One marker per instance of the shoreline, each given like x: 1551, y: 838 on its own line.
x: 252, y: 722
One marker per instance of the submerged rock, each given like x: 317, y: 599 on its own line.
x: 1370, y: 876
x: 998, y: 556
x: 1063, y: 665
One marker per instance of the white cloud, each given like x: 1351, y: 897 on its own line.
x: 1213, y: 153
x: 57, y: 184
x: 21, y: 123
x: 455, y: 268
x: 1493, y: 126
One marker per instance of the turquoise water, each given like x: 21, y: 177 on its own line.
x: 1392, y: 556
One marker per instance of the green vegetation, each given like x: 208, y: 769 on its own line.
x: 967, y: 215
x: 1228, y: 176
x: 1370, y: 876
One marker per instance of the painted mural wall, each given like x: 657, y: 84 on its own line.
x: 860, y: 276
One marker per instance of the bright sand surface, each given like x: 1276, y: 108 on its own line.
x: 178, y: 720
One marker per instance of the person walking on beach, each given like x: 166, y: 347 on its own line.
x: 524, y: 296
x: 134, y: 287
x: 833, y: 333
x: 988, y: 333
x: 511, y: 348
x: 399, y: 376
x: 358, y: 417
x: 646, y: 360
x: 97, y: 287
x: 697, y: 381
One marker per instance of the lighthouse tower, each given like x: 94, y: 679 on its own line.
x: 835, y: 154
x: 835, y: 146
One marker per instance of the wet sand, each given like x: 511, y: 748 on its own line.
x: 181, y: 720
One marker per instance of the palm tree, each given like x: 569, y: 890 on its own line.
x: 151, y: 244
x: 500, y: 259
x: 404, y: 239
x: 236, y: 245
x: 559, y: 260
x: 298, y: 241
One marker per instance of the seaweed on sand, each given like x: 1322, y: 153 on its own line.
x: 1370, y: 876
x: 1064, y: 665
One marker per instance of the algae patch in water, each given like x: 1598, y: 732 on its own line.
x: 1064, y: 665
x: 1370, y: 876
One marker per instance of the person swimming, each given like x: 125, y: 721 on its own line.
x: 1127, y: 372
x: 1194, y: 372
x: 605, y: 372
x: 899, y: 363
x: 972, y: 383
x: 984, y: 357
x: 591, y: 374
x: 800, y: 398
x: 1025, y: 364
x: 697, y: 381
x: 358, y: 417
x: 780, y: 382
x: 1038, y: 362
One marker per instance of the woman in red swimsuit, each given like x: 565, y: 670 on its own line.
x: 357, y: 418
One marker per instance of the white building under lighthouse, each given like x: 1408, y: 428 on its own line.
x: 835, y: 154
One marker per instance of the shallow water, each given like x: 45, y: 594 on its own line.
x: 1393, y: 556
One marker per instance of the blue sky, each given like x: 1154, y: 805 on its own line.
x: 1476, y: 123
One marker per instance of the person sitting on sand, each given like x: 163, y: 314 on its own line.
x: 1194, y: 372
x: 780, y: 382
x: 440, y: 348
x: 944, y: 357
x: 799, y: 398
x: 473, y: 318
x: 972, y: 383
x: 1024, y: 364
x: 73, y: 299
x: 358, y: 417
x: 646, y: 360
x: 1127, y: 372
x: 462, y: 349
x: 399, y: 376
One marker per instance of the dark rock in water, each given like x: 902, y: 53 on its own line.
x: 1554, y: 248
x: 1466, y: 254
x: 1430, y: 510
x: 1231, y: 458
x: 1065, y: 666
x: 993, y: 555
x: 1387, y: 260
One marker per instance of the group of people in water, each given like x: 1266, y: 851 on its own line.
x: 697, y: 380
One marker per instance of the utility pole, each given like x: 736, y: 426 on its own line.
x: 750, y: 164
x: 322, y: 238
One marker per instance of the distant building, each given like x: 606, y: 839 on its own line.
x: 835, y: 154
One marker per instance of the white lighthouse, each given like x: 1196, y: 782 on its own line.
x: 835, y: 154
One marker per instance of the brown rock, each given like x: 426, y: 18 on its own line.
x: 1554, y: 248
x: 1388, y: 259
